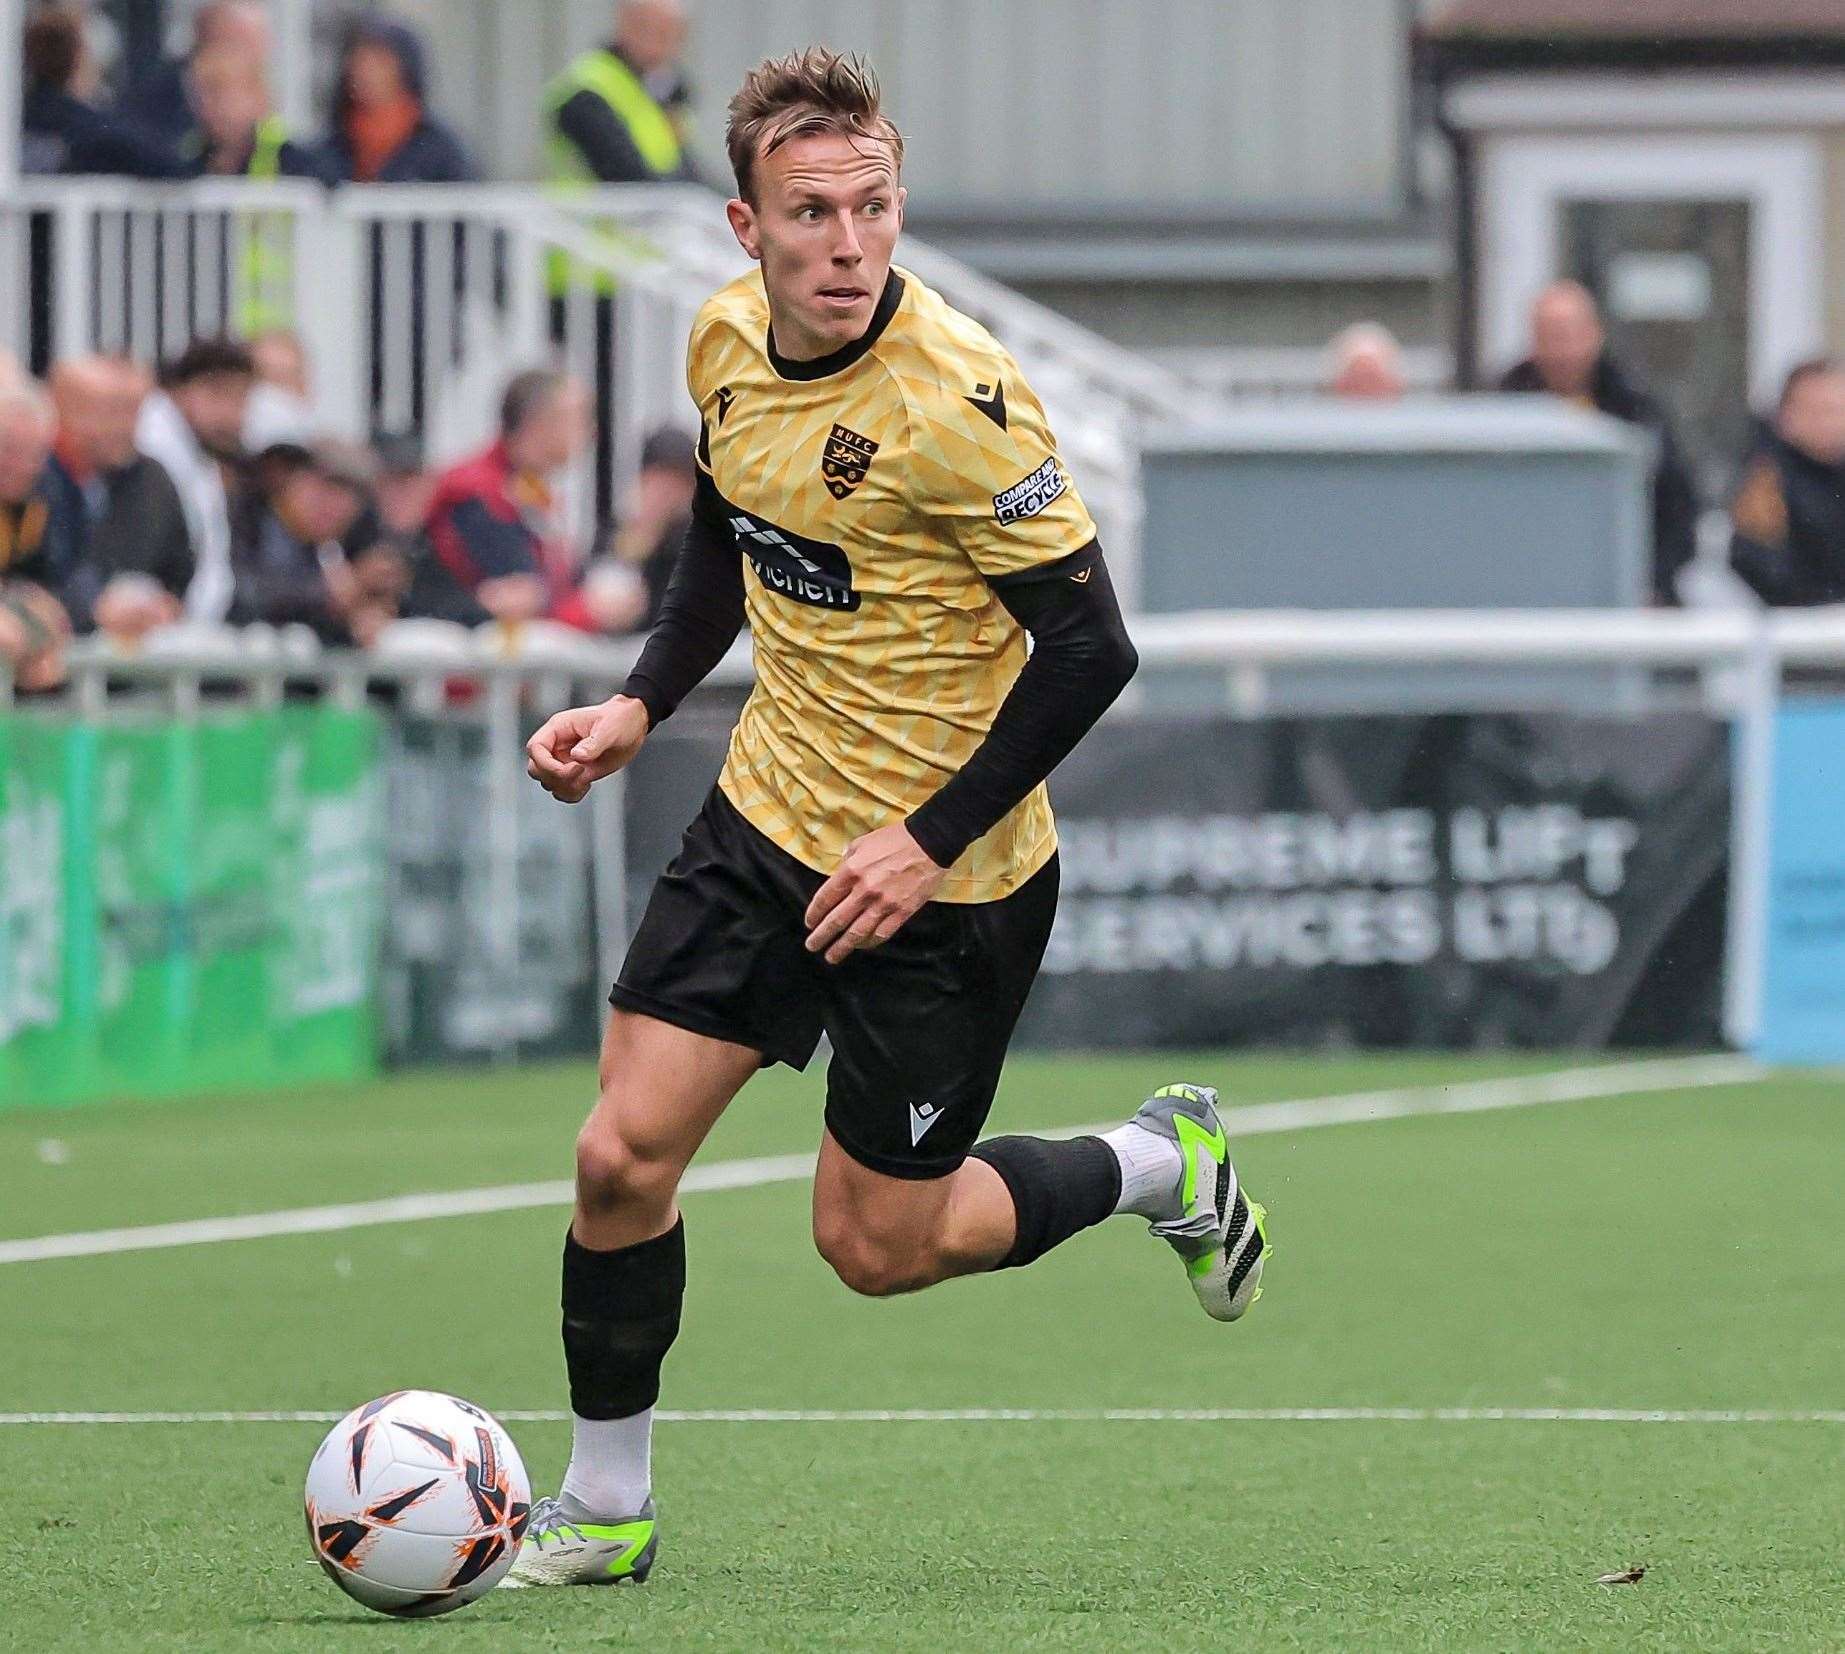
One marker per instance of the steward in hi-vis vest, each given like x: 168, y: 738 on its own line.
x: 240, y: 136
x: 605, y: 125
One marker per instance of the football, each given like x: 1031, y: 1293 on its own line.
x: 416, y: 1503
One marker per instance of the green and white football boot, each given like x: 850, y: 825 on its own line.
x: 559, y: 1551
x: 1220, y: 1233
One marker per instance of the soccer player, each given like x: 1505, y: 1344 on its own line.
x: 879, y: 496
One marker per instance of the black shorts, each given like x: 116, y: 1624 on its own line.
x: 919, y: 1025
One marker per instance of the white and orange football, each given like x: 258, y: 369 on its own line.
x: 416, y: 1503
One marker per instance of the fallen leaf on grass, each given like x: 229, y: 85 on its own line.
x: 1628, y: 1576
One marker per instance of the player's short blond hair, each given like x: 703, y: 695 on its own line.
x: 799, y: 96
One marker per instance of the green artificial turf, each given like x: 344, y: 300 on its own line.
x: 1679, y: 1250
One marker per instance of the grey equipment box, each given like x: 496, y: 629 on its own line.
x: 1460, y: 502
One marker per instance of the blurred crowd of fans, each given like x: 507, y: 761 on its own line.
x: 135, y: 501
x: 617, y: 115
x: 132, y: 503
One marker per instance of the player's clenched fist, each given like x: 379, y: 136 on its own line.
x: 576, y: 749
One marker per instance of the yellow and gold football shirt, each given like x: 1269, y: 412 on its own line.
x: 872, y: 493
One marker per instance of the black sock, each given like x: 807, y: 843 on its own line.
x: 621, y: 1315
x: 1058, y: 1188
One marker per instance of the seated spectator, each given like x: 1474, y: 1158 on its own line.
x: 134, y: 560
x: 239, y: 133
x: 623, y: 591
x: 495, y: 548
x: 193, y: 424
x: 386, y: 540
x: 406, y: 489
x: 382, y: 131
x: 282, y: 398
x: 1570, y: 358
x: 1788, y: 515
x: 658, y: 510
x: 1366, y: 364
x: 159, y: 97
x: 290, y: 565
x: 37, y: 545
x: 64, y: 129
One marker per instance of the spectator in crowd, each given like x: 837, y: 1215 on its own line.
x: 160, y: 100
x: 1570, y: 358
x: 406, y: 490
x: 133, y: 559
x: 239, y: 134
x: 659, y: 510
x: 1365, y: 364
x: 383, y: 132
x: 1788, y: 516
x: 617, y: 114
x: 36, y: 546
x: 495, y: 551
x: 622, y: 592
x: 193, y: 425
x: 386, y: 540
x: 290, y: 565
x: 65, y: 130
x: 281, y: 407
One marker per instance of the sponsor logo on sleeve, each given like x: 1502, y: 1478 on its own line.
x: 1030, y: 495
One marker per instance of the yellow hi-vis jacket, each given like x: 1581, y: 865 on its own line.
x: 605, y: 75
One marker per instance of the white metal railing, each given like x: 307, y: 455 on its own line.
x: 1246, y: 646
x: 1743, y: 655
x: 416, y: 302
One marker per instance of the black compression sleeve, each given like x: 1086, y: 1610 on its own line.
x: 700, y: 615
x: 1081, y: 660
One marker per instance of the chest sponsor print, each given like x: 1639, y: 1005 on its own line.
x: 845, y: 460
x: 802, y: 570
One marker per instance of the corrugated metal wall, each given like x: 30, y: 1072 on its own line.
x: 1172, y: 107
x: 1075, y: 105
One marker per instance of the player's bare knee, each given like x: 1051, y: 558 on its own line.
x: 865, y: 1265
x: 612, y: 1177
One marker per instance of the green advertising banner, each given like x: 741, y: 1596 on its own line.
x: 187, y: 906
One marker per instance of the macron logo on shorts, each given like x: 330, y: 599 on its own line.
x: 922, y: 1117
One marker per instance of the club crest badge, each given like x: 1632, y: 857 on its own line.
x: 845, y: 460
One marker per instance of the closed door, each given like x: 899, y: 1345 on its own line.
x: 1673, y: 280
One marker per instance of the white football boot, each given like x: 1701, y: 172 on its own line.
x: 1221, y: 1235
x: 559, y: 1551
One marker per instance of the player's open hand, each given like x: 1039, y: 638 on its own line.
x: 882, y: 880
x: 576, y: 749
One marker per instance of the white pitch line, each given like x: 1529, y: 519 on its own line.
x: 1351, y: 1108
x: 1050, y: 1415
